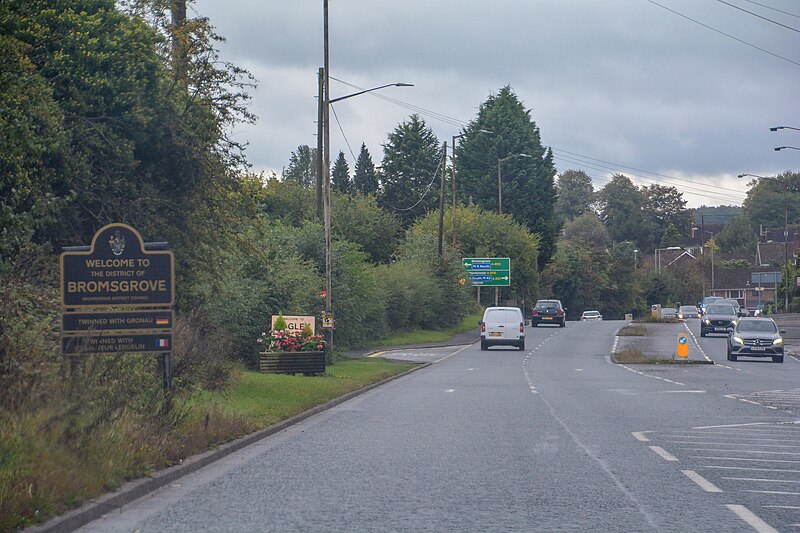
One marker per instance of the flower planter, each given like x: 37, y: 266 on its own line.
x: 307, y: 363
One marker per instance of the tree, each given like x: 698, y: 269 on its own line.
x: 365, y: 179
x: 575, y: 194
x: 764, y: 204
x: 587, y: 230
x: 340, y: 176
x: 411, y: 166
x: 671, y: 237
x: 737, y: 237
x: 358, y: 219
x: 622, y: 210
x: 529, y: 193
x: 302, y: 167
x: 666, y: 207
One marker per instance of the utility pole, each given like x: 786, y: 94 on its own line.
x: 441, y: 198
x: 320, y: 108
x: 326, y: 171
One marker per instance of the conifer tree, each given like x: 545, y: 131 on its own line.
x: 365, y: 180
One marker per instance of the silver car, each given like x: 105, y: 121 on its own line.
x: 756, y: 337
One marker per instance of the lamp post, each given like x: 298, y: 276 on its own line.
x: 779, y: 148
x: 326, y: 166
x: 635, y: 259
x: 785, y: 185
x: 453, y: 172
x: 500, y: 179
x: 776, y: 128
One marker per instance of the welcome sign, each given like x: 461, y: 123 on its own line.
x: 117, y: 271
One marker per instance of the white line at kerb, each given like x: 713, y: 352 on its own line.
x: 702, y: 482
x: 664, y: 454
x: 752, y: 520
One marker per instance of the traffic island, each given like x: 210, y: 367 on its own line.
x: 657, y: 343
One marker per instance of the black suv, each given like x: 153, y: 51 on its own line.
x: 549, y: 312
x: 718, y: 318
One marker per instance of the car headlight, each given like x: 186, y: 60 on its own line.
x: 707, y: 322
x: 737, y: 340
x: 680, y: 316
x: 777, y: 341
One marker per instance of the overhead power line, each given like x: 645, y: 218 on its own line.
x: 725, y: 34
x: 758, y: 16
x: 773, y: 9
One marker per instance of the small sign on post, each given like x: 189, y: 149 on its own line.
x: 683, y: 346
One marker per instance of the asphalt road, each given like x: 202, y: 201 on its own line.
x: 554, y: 438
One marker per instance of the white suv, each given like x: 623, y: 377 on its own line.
x: 502, y: 326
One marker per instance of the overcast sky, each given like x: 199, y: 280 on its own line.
x: 613, y: 85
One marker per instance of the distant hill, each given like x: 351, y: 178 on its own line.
x: 716, y: 214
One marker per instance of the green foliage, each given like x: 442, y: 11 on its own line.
x: 734, y: 264
x: 287, y: 201
x: 365, y: 179
x: 412, y: 159
x: 302, y: 168
x: 341, y: 181
x: 576, y: 194
x: 280, y: 323
x: 667, y: 208
x: 588, y: 230
x: 358, y: 219
x: 764, y: 204
x: 529, y: 192
x: 622, y: 210
x: 485, y: 234
x: 671, y: 236
x: 737, y: 237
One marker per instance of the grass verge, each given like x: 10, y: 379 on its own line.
x: 41, y: 477
x: 419, y: 336
x: 632, y: 330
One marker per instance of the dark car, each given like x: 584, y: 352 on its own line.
x: 756, y: 337
x: 548, y: 312
x: 718, y: 318
x: 688, y: 311
x: 708, y: 300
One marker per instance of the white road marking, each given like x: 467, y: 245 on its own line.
x: 696, y: 343
x: 752, y: 469
x: 782, y: 493
x: 762, y: 480
x: 745, y: 459
x: 752, y: 520
x: 683, y: 391
x: 702, y: 482
x: 781, y: 506
x: 664, y: 454
x: 732, y: 425
x: 762, y: 452
x: 640, y: 436
x: 449, y: 390
x: 578, y: 370
x: 652, y: 377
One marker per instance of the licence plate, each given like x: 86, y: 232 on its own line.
x: 495, y: 334
x: 720, y: 329
x: 758, y: 349
x: 547, y: 318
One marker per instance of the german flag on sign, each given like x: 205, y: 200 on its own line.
x: 162, y: 321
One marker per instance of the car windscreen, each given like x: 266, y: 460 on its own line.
x: 720, y: 310
x: 547, y: 305
x: 765, y: 326
x: 688, y: 309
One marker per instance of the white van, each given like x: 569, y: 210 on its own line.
x: 502, y: 326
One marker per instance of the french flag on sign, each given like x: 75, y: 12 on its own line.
x: 163, y: 343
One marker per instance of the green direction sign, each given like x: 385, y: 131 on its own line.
x: 484, y: 264
x: 488, y: 271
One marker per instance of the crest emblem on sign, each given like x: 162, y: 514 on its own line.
x: 117, y: 243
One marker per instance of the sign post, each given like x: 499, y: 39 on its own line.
x: 488, y: 272
x: 683, y: 346
x: 117, y: 297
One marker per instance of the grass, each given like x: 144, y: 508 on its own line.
x: 51, y: 461
x: 632, y: 331
x: 419, y: 336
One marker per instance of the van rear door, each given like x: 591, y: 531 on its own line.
x: 499, y: 324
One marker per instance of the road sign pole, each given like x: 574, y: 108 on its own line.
x: 496, y: 296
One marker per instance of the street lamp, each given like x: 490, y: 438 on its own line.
x: 776, y: 128
x: 326, y: 167
x: 785, y: 184
x: 635, y: 259
x: 779, y: 148
x: 453, y: 169
x: 500, y: 179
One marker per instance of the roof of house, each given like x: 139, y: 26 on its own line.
x: 770, y: 252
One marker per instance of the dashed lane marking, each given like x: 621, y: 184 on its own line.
x: 701, y: 482
x: 751, y: 518
x: 702, y: 352
x: 664, y: 454
x: 652, y: 377
x: 640, y: 436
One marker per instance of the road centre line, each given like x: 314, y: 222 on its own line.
x: 703, y: 352
x: 751, y: 518
x: 664, y: 454
x: 701, y: 482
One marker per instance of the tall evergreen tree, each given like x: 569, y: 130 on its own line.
x: 622, y: 210
x: 411, y: 159
x: 528, y: 183
x: 365, y: 179
x: 340, y: 175
x: 302, y: 166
